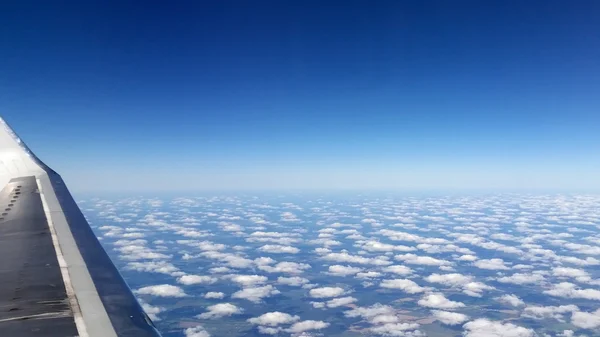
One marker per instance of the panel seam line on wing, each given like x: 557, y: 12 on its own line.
x: 74, y: 303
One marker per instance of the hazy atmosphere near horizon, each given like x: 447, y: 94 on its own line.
x: 326, y: 168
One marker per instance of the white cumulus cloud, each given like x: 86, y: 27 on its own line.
x: 162, y: 290
x: 325, y: 292
x: 196, y: 279
x: 256, y: 294
x: 308, y: 325
x: 586, y: 320
x: 197, y: 331
x: 485, y: 328
x: 439, y: 301
x: 339, y: 270
x: 449, y: 318
x: 279, y: 249
x: 214, y: 294
x: 274, y: 318
x: 570, y: 290
x: 405, y: 285
x: 220, y: 310
x: 511, y: 299
x: 491, y: 264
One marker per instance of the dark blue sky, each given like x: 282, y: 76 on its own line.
x: 319, y: 94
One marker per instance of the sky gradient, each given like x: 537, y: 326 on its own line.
x: 124, y: 96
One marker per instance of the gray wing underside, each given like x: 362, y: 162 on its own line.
x: 55, y: 277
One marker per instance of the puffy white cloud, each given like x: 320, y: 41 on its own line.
x: 277, y: 240
x: 308, y: 325
x: 295, y: 281
x: 162, y: 290
x: 208, y: 245
x: 214, y: 294
x: 397, y: 329
x: 398, y: 269
x: 422, y: 260
x: 520, y: 278
x: 279, y: 249
x: 135, y: 250
x: 376, y: 246
x: 266, y: 330
x: 371, y: 312
x: 579, y: 275
x: 511, y: 299
x: 134, y: 235
x: 319, y: 305
x: 405, y: 285
x: 325, y: 292
x: 161, y: 267
x: 274, y: 318
x: 439, y: 301
x: 567, y: 333
x: 475, y: 289
x: 230, y: 227
x: 339, y: 270
x: 348, y: 258
x: 341, y: 301
x: 449, y: 318
x: 256, y: 294
x: 262, y: 261
x: 586, y: 320
x: 460, y: 281
x: 285, y: 267
x: 403, y: 236
x: 249, y: 280
x: 570, y: 290
x: 289, y: 217
x: 220, y: 270
x: 582, y: 249
x: 453, y: 279
x: 467, y: 257
x: 196, y: 279
x: 438, y: 249
x: 197, y: 331
x: 556, y: 312
x: 478, y: 241
x: 485, y: 328
x: 220, y: 310
x: 231, y: 260
x: 384, y: 319
x: 491, y: 264
x: 368, y: 275
x: 569, y: 272
x: 588, y: 261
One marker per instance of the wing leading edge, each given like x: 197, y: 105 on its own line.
x: 55, y: 277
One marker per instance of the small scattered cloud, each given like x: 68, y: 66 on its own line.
x: 256, y: 294
x: 405, y: 285
x: 274, y: 319
x: 196, y: 279
x: 510, y: 299
x: 491, y: 264
x: 449, y: 318
x: 484, y: 327
x: 325, y: 292
x: 197, y: 331
x: 162, y: 290
x: 220, y: 310
x: 214, y: 295
x: 439, y: 301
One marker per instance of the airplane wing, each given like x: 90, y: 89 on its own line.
x: 55, y: 277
